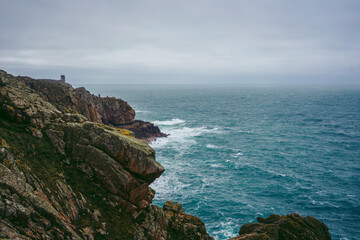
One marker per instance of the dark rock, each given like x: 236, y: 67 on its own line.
x: 94, y: 108
x: 292, y: 226
x: 106, y: 110
x: 170, y: 222
x: 144, y: 130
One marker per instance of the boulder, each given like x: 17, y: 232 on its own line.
x: 292, y: 226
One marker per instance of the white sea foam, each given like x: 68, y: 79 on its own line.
x: 167, y: 185
x: 242, y: 131
x: 181, y: 138
x: 227, y: 228
x: 171, y: 122
x: 238, y: 154
x: 215, y: 165
x: 141, y: 111
x: 211, y: 145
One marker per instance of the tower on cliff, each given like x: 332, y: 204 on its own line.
x: 62, y: 78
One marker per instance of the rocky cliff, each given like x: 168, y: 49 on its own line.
x: 106, y: 110
x: 292, y: 226
x: 63, y: 176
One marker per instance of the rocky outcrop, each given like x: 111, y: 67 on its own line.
x: 170, y: 222
x: 106, y: 110
x: 144, y: 130
x: 291, y: 226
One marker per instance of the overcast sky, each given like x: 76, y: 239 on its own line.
x: 184, y: 41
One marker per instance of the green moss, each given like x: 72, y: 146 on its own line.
x: 48, y: 164
x: 119, y: 225
x: 136, y: 143
x: 40, y: 154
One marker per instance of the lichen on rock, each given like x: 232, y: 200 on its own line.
x: 292, y: 226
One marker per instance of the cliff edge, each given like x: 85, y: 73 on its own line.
x: 65, y: 177
x: 64, y: 174
x: 105, y: 110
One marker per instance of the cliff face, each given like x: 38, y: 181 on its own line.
x: 64, y: 177
x: 106, y: 110
x: 96, y: 109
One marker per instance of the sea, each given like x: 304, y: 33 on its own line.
x: 235, y: 153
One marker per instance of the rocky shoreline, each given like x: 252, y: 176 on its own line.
x: 75, y: 166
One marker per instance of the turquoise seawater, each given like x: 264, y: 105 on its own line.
x: 236, y: 153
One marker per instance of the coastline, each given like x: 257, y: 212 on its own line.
x: 81, y: 198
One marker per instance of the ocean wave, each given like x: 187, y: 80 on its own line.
x: 224, y: 229
x: 168, y: 185
x: 212, y: 146
x: 180, y: 138
x: 238, y: 154
x: 245, y: 131
x: 141, y: 111
x: 215, y: 165
x: 171, y: 122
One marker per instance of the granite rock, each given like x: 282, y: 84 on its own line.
x: 292, y: 226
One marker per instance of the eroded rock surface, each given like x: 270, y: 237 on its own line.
x: 144, y: 130
x: 292, y: 226
x: 170, y: 222
x: 106, y: 110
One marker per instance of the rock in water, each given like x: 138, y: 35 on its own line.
x: 144, y: 130
x: 170, y: 222
x: 292, y: 226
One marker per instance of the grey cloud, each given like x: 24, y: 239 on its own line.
x: 153, y: 41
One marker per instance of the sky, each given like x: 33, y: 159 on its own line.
x: 184, y: 41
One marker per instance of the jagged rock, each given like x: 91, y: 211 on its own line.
x: 144, y: 130
x: 170, y: 222
x: 35, y: 132
x: 26, y: 209
x: 20, y: 104
x: 107, y: 110
x: 292, y: 226
x: 96, y: 215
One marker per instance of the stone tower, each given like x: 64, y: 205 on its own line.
x: 62, y: 78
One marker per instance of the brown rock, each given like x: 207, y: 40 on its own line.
x: 144, y: 130
x: 291, y: 226
x: 171, y: 222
